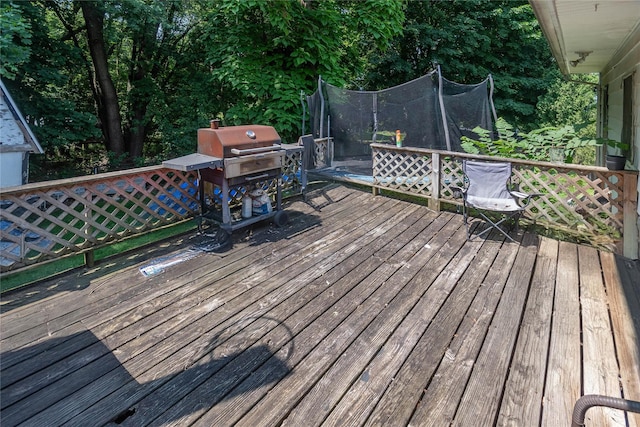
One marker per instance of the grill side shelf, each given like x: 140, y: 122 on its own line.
x: 194, y: 161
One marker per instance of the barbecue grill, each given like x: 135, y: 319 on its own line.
x: 232, y: 158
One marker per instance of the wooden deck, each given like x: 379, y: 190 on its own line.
x: 363, y: 310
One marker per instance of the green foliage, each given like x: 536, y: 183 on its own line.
x: 15, y: 40
x: 47, y: 87
x: 263, y: 53
x: 533, y: 145
x: 177, y: 64
x: 571, y: 101
x: 471, y: 39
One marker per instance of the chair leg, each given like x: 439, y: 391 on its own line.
x: 465, y: 216
x: 495, y: 225
x: 516, y: 218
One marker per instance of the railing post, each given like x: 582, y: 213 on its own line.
x: 89, y: 258
x: 374, y: 190
x: 629, y: 224
x: 434, y: 202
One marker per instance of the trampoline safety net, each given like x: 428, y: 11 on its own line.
x: 430, y: 112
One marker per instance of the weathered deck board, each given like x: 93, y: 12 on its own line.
x: 422, y: 334
x: 599, y: 362
x: 363, y: 310
x: 132, y: 356
x: 443, y: 392
x: 625, y: 332
x: 352, y: 385
x: 481, y: 399
x: 522, y: 399
x: 390, y: 301
x: 564, y: 370
x: 316, y: 285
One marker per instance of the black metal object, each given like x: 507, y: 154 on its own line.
x: 591, y: 400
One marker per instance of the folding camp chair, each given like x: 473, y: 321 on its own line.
x: 487, y: 190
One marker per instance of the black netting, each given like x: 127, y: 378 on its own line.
x: 355, y: 119
x: 466, y: 107
x: 314, y: 104
x: 413, y: 109
x: 351, y: 121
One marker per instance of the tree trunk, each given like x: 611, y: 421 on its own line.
x: 143, y: 49
x: 137, y: 131
x: 107, y: 99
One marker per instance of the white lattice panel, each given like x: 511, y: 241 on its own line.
x: 408, y: 172
x: 44, y: 221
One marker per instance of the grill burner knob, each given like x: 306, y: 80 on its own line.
x: 251, y: 134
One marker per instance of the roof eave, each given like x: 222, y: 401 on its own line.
x: 29, y: 136
x: 545, y: 11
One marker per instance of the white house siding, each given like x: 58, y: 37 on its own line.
x: 16, y: 142
x: 10, y: 132
x: 623, y: 66
x: 11, y: 165
x: 11, y: 162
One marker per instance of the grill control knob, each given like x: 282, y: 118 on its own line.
x: 251, y: 134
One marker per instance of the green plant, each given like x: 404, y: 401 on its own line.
x: 533, y: 145
x: 617, y: 148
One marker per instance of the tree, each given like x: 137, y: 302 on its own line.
x: 103, y: 89
x: 140, y: 76
x: 264, y: 53
x: 48, y: 91
x: 147, y: 36
x: 15, y: 40
x: 471, y: 39
x: 570, y: 102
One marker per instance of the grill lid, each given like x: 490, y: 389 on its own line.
x: 228, y: 141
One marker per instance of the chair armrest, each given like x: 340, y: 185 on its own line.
x: 521, y: 195
x: 524, y: 198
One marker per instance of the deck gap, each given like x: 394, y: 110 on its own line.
x: 579, y: 259
x: 122, y: 416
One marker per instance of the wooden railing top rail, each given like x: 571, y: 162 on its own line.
x: 86, y: 179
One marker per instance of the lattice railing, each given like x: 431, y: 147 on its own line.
x: 323, y: 152
x: 52, y: 219
x: 590, y: 201
x: 47, y: 220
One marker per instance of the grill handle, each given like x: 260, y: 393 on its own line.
x: 254, y: 150
x: 254, y: 177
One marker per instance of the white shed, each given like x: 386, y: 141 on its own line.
x: 16, y: 142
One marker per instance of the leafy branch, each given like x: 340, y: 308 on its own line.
x: 533, y: 145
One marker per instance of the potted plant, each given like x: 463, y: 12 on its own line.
x: 616, y: 158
